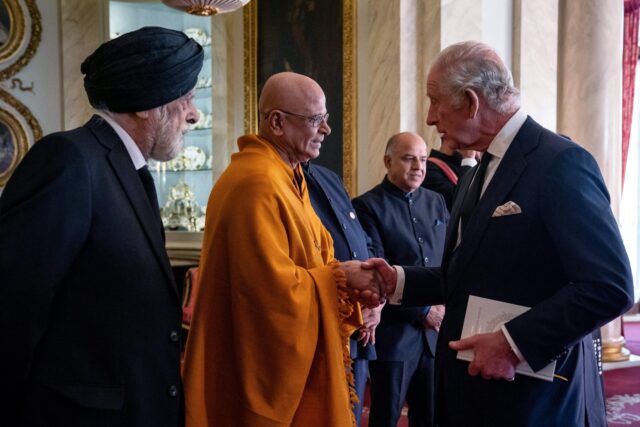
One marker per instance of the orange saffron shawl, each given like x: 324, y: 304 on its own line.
x: 268, y: 344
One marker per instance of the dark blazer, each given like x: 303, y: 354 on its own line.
x: 405, y: 230
x: 563, y: 256
x: 436, y: 180
x: 88, y: 303
x: 332, y: 205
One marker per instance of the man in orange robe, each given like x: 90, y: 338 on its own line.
x: 268, y: 344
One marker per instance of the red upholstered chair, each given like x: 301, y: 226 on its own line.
x: 191, y: 284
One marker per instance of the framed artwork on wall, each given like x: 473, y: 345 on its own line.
x: 20, y: 32
x: 18, y: 131
x: 317, y: 39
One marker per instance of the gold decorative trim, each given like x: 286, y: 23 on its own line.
x: 349, y: 100
x: 349, y: 88
x: 614, y: 350
x: 250, y: 21
x: 16, y: 29
x: 11, y: 51
x: 21, y: 138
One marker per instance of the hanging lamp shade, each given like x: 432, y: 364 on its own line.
x: 206, y: 7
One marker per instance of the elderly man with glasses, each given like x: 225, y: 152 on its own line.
x: 268, y: 345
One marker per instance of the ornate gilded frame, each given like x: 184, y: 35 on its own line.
x: 19, y: 127
x: 24, y: 36
x: 23, y: 129
x: 349, y: 112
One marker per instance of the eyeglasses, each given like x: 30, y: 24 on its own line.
x: 315, y: 121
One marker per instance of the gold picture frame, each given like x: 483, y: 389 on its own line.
x: 20, y: 34
x: 348, y: 105
x: 19, y: 130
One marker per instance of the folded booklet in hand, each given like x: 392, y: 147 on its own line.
x: 486, y: 315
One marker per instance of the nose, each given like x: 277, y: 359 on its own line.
x: 324, y: 128
x: 431, y: 116
x: 192, y: 114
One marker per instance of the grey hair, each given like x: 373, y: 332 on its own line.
x: 475, y: 65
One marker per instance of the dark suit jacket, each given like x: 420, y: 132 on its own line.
x: 89, y: 307
x: 331, y: 202
x: 404, y: 231
x: 436, y: 180
x: 563, y: 256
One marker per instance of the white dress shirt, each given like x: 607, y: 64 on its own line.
x: 132, y: 148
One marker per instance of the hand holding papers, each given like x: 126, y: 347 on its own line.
x: 485, y: 317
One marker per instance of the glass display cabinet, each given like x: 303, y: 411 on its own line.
x: 184, y: 183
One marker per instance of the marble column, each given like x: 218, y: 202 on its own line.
x: 590, y: 82
x: 535, y: 58
x: 397, y: 40
x: 378, y: 86
x: 590, y: 101
x: 83, y: 29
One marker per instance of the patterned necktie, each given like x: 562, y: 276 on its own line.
x: 473, y: 193
x: 150, y: 189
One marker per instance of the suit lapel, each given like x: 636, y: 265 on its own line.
x: 130, y: 181
x: 506, y: 177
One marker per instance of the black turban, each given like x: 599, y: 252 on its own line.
x: 141, y: 70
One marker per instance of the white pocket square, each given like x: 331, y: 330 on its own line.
x: 509, y: 208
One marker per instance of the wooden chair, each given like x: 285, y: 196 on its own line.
x: 191, y: 284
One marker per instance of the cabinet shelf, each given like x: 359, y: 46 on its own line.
x: 199, y: 131
x: 186, y: 171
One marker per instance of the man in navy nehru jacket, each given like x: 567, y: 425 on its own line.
x: 407, y: 224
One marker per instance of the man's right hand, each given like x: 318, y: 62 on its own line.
x: 388, y: 273
x: 364, y: 286
x: 433, y: 319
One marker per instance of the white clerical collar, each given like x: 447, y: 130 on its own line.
x: 132, y: 148
x: 505, y: 137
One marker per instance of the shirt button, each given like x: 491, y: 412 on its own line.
x: 420, y: 239
x: 414, y: 219
x: 354, y: 254
x: 173, y: 391
x: 352, y: 215
x: 410, y: 201
x: 426, y: 260
x: 174, y: 336
x: 344, y: 226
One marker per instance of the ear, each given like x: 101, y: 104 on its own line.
x: 387, y: 161
x: 276, y: 123
x: 474, y: 102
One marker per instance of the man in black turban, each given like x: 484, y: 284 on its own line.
x: 89, y: 307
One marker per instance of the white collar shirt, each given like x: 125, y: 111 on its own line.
x: 501, y: 143
x: 132, y: 148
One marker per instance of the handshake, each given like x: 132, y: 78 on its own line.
x: 370, y: 282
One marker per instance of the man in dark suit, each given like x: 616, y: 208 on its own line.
x: 445, y: 167
x: 88, y: 303
x: 407, y: 226
x: 331, y: 202
x: 542, y: 235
